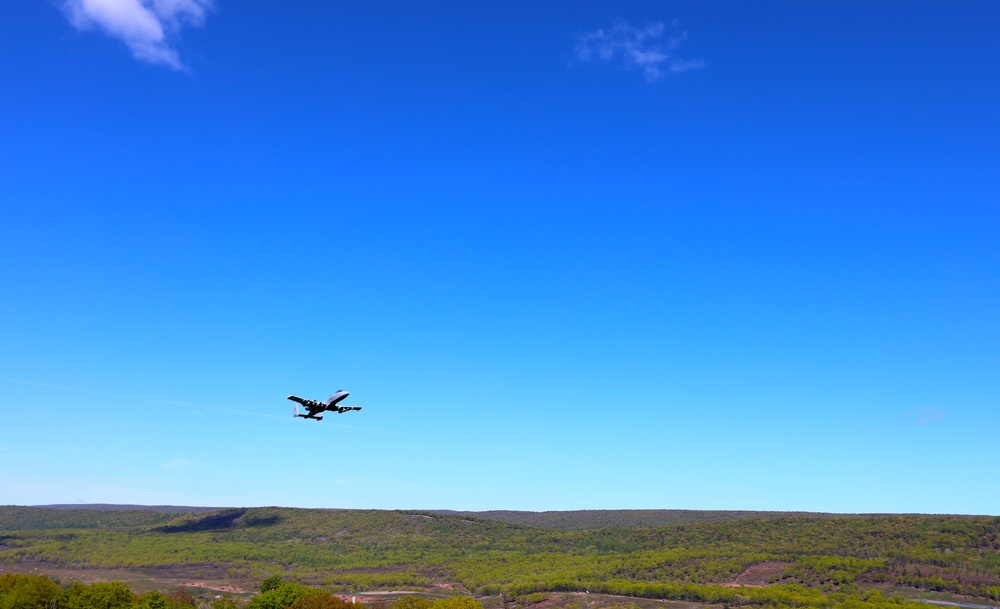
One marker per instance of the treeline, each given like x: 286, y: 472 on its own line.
x: 940, y: 584
x: 19, y: 591
x: 786, y: 596
x: 39, y: 592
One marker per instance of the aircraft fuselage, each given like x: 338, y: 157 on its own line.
x: 335, y: 398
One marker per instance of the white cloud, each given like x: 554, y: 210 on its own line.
x: 651, y: 48
x: 148, y: 27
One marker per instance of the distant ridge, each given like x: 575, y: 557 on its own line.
x: 110, y: 515
x: 115, y: 507
x: 19, y: 518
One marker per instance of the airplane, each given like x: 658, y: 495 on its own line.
x: 314, y: 408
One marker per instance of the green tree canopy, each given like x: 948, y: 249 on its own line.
x: 452, y: 602
x: 152, y: 600
x: 102, y: 595
x: 182, y: 599
x: 412, y: 602
x: 224, y: 603
x: 270, y: 583
x: 27, y: 591
x: 456, y: 602
x: 321, y: 599
x: 282, y: 597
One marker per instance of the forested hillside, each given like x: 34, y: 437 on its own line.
x: 351, y: 550
x: 621, y: 519
x: 15, y: 518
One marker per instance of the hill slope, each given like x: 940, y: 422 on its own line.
x: 370, y: 549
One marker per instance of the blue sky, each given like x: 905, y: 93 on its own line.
x: 566, y: 255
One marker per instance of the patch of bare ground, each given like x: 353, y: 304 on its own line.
x: 584, y: 600
x: 758, y: 575
x: 392, y: 569
x: 379, y: 598
x: 206, y: 578
x: 216, y: 587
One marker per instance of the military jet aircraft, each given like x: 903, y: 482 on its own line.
x: 314, y: 408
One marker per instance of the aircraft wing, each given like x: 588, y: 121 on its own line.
x: 311, y: 405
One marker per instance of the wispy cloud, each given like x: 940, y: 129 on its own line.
x: 178, y: 464
x: 928, y: 415
x: 149, y: 27
x: 651, y: 48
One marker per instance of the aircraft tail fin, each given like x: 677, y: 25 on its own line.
x: 295, y: 410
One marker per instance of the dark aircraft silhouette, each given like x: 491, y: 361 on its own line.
x: 314, y: 408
